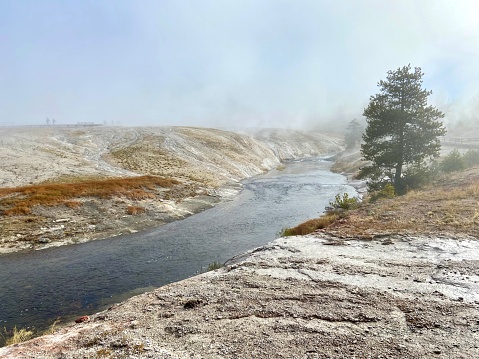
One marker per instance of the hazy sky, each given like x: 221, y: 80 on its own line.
x: 228, y: 62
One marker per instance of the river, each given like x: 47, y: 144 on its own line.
x: 39, y: 286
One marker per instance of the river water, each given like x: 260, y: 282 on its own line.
x: 36, y: 287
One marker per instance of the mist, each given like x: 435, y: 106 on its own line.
x: 270, y: 63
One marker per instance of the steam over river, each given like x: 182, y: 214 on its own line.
x: 37, y: 287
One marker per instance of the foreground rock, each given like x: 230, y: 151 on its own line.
x: 298, y: 297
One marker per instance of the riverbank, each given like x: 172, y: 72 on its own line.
x: 65, y: 282
x: 298, y: 297
x: 398, y: 278
x: 207, y: 164
x: 348, y: 163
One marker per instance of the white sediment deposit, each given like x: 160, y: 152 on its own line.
x: 208, y: 163
x: 32, y: 155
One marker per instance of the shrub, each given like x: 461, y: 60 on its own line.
x: 471, y: 158
x: 419, y: 175
x: 214, y: 266
x: 453, y: 162
x: 344, y: 202
x: 386, y: 192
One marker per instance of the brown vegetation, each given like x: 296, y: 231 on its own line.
x: 135, y: 210
x: 18, y: 336
x: 451, y: 205
x: 21, y: 200
x: 311, y: 225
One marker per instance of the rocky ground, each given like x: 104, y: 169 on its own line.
x: 207, y: 163
x: 298, y: 297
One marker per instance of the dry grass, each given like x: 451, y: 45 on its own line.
x: 104, y: 353
x: 75, y: 179
x: 21, y: 200
x: 19, y: 336
x: 311, y: 225
x: 449, y: 206
x: 135, y: 210
x: 52, y: 328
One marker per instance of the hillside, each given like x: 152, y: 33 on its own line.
x: 48, y: 175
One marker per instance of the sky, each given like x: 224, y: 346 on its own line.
x: 229, y: 63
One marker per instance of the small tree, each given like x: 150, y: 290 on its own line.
x: 353, y: 134
x: 345, y: 202
x: 453, y: 162
x: 402, y: 129
x: 471, y: 158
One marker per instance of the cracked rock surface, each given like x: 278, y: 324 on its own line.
x: 297, y: 297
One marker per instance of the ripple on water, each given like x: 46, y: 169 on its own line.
x: 39, y: 286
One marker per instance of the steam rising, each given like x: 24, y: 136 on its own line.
x: 269, y: 63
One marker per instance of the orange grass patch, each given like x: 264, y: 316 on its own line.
x: 311, y: 225
x: 21, y: 200
x: 135, y: 210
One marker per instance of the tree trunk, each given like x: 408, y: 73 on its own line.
x: 398, y: 185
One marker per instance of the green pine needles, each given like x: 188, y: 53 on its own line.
x: 402, y: 130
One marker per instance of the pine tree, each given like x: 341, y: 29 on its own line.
x: 402, y: 129
x: 353, y: 134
